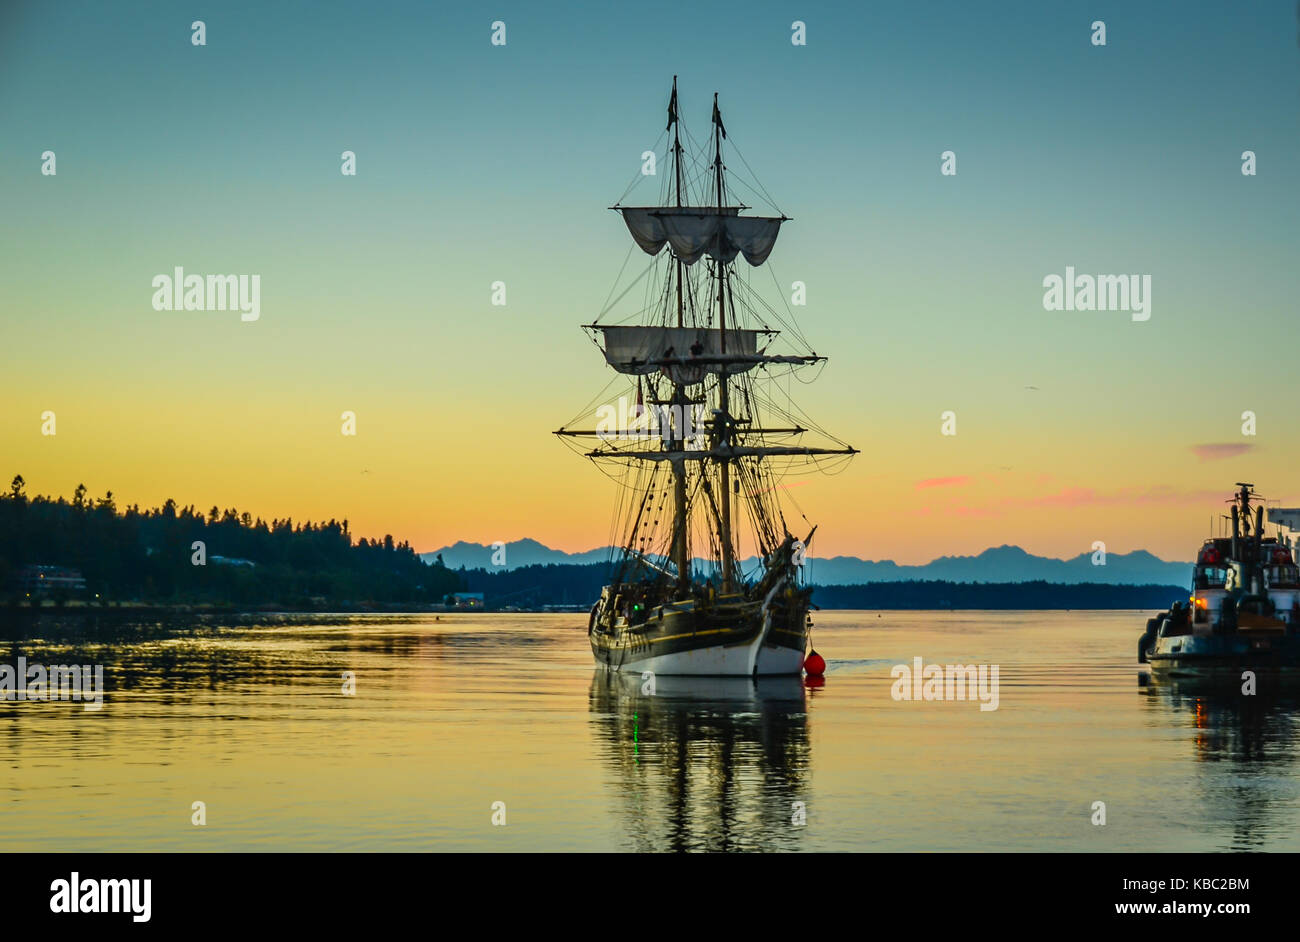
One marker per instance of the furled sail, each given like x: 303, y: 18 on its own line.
x: 694, y: 231
x: 698, y: 350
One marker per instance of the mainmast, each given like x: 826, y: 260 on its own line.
x: 677, y: 174
x: 723, y: 420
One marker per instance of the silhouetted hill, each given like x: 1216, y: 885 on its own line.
x: 996, y: 564
x: 518, y: 554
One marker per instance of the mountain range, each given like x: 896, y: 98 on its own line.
x: 996, y: 564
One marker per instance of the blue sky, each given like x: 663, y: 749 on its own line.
x: 478, y: 163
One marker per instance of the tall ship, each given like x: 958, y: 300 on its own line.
x: 1243, y: 612
x: 709, y: 578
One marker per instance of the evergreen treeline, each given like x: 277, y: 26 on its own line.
x: 147, y: 555
x: 573, y: 584
x: 538, y: 585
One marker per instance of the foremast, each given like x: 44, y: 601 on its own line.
x: 722, y: 427
x: 681, y: 551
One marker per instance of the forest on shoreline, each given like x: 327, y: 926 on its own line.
x: 173, y: 555
x: 580, y: 584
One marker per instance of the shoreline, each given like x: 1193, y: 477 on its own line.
x: 128, y: 613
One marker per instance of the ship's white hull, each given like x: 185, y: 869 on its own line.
x: 730, y: 661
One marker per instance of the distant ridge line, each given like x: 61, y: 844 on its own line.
x: 1001, y: 564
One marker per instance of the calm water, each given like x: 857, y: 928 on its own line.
x: 453, y: 715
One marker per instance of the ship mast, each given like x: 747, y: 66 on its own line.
x: 681, y: 544
x: 677, y: 174
x: 724, y: 381
x: 1247, y: 549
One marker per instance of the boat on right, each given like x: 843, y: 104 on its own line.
x: 1243, y: 613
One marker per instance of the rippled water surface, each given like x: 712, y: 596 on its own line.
x: 452, y: 715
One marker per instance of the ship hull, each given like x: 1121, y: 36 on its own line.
x: 725, y: 640
x: 717, y: 661
x: 1226, y: 656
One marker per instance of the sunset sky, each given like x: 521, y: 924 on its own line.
x: 478, y: 163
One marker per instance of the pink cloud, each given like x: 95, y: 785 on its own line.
x: 957, y: 481
x: 1220, y: 451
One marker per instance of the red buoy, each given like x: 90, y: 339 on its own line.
x: 815, y: 664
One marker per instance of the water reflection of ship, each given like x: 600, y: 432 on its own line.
x: 1257, y: 736
x: 705, y: 764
